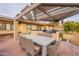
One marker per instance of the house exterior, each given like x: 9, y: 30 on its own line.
x: 6, y: 26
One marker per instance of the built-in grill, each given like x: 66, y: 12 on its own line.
x: 50, y: 30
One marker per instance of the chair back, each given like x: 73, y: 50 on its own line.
x: 22, y: 41
x: 30, y: 46
x: 52, y: 49
x: 57, y: 43
x: 27, y: 44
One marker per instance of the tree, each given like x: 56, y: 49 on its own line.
x: 71, y: 26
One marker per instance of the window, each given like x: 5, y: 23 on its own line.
x: 8, y: 27
x: 33, y: 27
x: 12, y: 27
x: 29, y: 27
x: 39, y: 28
x: 2, y: 26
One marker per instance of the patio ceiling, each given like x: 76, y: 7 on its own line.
x: 48, y: 12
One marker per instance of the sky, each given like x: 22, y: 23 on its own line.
x: 73, y: 18
x: 11, y: 9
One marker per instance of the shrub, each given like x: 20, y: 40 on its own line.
x: 71, y: 26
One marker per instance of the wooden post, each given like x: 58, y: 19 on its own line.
x: 15, y: 29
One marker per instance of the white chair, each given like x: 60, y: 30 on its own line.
x: 52, y: 49
x: 29, y: 46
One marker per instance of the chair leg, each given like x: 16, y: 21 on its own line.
x: 57, y: 54
x: 37, y: 54
x: 27, y: 54
x: 22, y: 49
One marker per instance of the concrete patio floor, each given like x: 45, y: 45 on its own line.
x: 10, y: 47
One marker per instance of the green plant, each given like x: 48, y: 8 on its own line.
x: 71, y: 26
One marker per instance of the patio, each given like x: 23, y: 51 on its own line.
x: 10, y: 47
x: 34, y: 13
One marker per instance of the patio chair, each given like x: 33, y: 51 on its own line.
x: 29, y: 46
x: 21, y: 42
x: 52, y: 49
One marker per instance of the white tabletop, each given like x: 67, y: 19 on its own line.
x: 41, y: 40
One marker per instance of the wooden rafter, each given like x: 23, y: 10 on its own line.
x: 61, y: 16
x: 27, y: 10
x: 65, y: 10
x: 54, y: 9
x: 62, y: 4
x: 34, y: 13
x: 44, y: 11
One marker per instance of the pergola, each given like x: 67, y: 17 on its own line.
x: 45, y: 12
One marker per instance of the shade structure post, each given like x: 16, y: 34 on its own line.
x: 15, y: 29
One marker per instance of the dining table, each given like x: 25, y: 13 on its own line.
x: 40, y: 40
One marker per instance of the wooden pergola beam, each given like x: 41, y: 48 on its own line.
x: 27, y: 10
x: 44, y: 11
x: 62, y: 4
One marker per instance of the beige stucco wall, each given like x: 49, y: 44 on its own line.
x: 22, y: 28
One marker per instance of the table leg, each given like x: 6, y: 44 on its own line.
x: 44, y: 51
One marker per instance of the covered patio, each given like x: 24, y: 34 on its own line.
x: 35, y: 13
x: 38, y: 23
